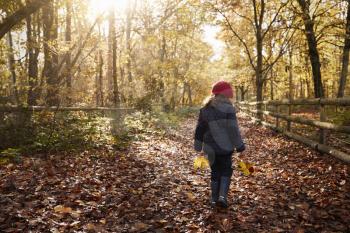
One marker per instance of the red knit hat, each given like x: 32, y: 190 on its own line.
x: 223, y: 88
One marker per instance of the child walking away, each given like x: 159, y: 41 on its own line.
x: 217, y: 135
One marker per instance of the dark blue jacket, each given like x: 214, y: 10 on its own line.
x: 217, y: 131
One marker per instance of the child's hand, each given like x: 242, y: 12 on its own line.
x: 200, y: 162
x: 241, y: 148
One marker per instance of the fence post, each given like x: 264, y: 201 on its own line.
x: 323, y: 117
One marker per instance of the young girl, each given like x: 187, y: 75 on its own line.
x: 218, y: 136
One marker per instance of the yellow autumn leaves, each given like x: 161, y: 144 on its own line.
x: 201, y: 162
x: 246, y: 168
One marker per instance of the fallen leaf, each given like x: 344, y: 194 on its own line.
x: 62, y: 209
x: 191, y: 196
x: 139, y: 227
x: 90, y: 227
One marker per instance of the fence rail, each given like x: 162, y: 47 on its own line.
x: 318, y: 101
x: 260, y: 108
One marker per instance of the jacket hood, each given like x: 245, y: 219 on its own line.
x: 221, y: 103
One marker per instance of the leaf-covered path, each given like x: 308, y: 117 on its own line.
x: 152, y: 187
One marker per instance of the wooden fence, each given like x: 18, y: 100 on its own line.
x: 261, y: 109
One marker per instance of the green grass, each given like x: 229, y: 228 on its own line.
x: 47, y: 133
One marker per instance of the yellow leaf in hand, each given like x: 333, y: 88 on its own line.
x: 200, y: 162
x: 246, y: 168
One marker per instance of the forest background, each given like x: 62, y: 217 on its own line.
x: 139, y: 54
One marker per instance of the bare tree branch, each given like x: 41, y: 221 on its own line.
x: 257, y: 23
x: 274, y: 18
x: 251, y: 61
x: 280, y: 54
x: 171, y: 12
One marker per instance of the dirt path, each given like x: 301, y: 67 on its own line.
x: 152, y: 187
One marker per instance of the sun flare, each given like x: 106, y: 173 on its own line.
x: 97, y: 7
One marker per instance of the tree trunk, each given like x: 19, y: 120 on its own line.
x: 50, y: 57
x: 109, y: 59
x: 183, y: 102
x: 242, y: 91
x: 101, y: 78
x: 174, y: 90
x: 111, y: 72
x: 161, y: 75
x: 259, y: 71
x: 68, y: 38
x: 112, y: 56
x: 97, y: 82
x: 12, y: 68
x: 115, y: 77
x: 313, y: 51
x: 302, y: 95
x: 128, y: 40
x: 345, y: 59
x: 33, y: 53
x: 272, y: 97
x: 308, y: 88
x: 334, y: 88
x: 121, y: 73
x: 259, y: 98
x: 326, y: 90
x: 99, y: 73
x: 189, y: 94
x: 290, y: 74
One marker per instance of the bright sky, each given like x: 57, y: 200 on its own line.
x: 100, y: 6
x: 210, y: 36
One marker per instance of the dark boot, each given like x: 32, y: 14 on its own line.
x: 215, y: 185
x: 224, y: 188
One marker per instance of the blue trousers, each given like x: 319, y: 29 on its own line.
x: 222, y: 166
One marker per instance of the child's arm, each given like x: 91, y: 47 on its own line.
x: 236, y: 134
x: 201, y: 129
